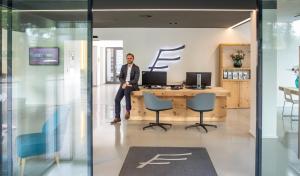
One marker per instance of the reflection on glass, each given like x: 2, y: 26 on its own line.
x: 296, y: 27
x: 281, y: 32
x: 49, y: 101
x: 3, y: 95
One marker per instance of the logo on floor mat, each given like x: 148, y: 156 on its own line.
x: 163, y: 161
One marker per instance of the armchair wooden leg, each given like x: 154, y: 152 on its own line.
x: 19, y: 161
x: 57, y: 158
x: 22, y: 166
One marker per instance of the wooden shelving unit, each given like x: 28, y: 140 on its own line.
x: 236, y: 80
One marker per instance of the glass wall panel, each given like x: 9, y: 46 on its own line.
x: 3, y: 97
x: 48, y: 88
x: 280, y: 87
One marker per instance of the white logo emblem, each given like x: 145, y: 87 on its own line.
x: 157, y: 158
x: 166, y: 55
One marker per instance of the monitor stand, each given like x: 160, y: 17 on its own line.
x: 197, y: 87
x: 153, y: 87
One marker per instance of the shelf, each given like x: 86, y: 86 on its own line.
x: 234, y: 80
x: 234, y: 44
x: 233, y: 68
x: 239, y: 88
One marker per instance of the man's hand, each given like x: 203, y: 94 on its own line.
x: 126, y: 84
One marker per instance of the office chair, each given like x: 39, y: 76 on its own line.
x: 202, y: 103
x: 153, y: 103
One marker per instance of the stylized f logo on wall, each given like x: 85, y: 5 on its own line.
x: 170, y: 59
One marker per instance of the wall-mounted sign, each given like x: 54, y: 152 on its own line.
x: 166, y: 55
x: 44, y: 56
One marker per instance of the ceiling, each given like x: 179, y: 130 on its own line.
x: 135, y: 4
x: 171, y: 4
x: 169, y: 19
x: 288, y: 11
x: 142, y: 13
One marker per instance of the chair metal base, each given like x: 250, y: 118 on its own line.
x: 203, y: 125
x: 158, y: 124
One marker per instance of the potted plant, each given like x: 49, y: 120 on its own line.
x: 237, y: 58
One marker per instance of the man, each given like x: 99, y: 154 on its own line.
x: 129, y: 77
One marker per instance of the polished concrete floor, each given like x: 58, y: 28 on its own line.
x: 230, y: 146
x: 279, y: 155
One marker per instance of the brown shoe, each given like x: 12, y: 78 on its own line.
x: 116, y: 120
x: 127, y: 115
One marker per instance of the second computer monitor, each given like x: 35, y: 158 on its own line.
x: 191, y: 79
x: 154, y: 78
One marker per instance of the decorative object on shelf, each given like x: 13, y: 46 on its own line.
x: 225, y: 76
x: 246, y: 75
x: 295, y: 69
x: 237, y: 58
x: 240, y: 75
x: 229, y: 75
x: 235, y: 75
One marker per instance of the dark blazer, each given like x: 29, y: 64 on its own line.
x: 134, y: 76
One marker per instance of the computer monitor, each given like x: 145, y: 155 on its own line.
x: 154, y: 78
x: 191, y: 79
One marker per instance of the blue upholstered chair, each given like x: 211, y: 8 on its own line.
x: 46, y: 141
x: 153, y: 103
x: 202, y: 103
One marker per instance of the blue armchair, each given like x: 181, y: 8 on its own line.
x: 46, y: 141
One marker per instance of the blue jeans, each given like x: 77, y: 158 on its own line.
x: 121, y: 93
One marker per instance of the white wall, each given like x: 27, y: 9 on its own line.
x: 200, y: 54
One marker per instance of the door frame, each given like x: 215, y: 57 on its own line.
x: 115, y: 81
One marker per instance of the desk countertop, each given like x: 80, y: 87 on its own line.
x: 293, y: 90
x: 219, y: 91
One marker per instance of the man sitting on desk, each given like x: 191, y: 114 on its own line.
x: 129, y: 77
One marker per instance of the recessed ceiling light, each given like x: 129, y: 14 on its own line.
x: 146, y: 16
x: 240, y: 23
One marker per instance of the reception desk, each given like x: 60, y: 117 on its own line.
x: 179, y: 112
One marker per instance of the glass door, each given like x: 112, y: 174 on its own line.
x: 4, y: 157
x: 114, y: 62
x: 280, y: 29
x: 46, y: 88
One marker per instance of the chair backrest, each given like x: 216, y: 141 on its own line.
x: 151, y: 101
x: 52, y: 123
x: 288, y: 95
x: 202, y: 102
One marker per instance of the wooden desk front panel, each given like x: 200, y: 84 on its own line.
x: 179, y: 112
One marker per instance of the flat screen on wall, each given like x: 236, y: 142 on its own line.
x: 44, y: 56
